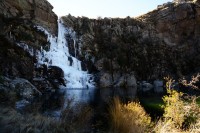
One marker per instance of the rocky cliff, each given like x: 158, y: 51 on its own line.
x: 19, y: 37
x: 162, y: 42
x: 37, y: 11
x: 117, y: 51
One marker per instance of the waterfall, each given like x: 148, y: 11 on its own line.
x: 58, y: 55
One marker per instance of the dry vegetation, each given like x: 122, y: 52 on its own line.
x: 130, y: 118
x: 181, y: 114
x: 72, y: 121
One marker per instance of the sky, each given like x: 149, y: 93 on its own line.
x: 104, y: 8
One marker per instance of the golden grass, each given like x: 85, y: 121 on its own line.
x: 130, y: 118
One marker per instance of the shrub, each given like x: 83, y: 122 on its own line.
x: 173, y: 108
x: 130, y: 118
x: 181, y: 113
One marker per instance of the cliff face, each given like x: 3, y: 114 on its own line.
x: 175, y: 23
x: 177, y: 26
x: 163, y: 42
x: 18, y: 34
x: 38, y: 11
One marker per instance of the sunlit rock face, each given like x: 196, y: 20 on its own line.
x: 38, y: 11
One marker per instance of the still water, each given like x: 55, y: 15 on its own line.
x: 52, y: 104
x: 92, y: 96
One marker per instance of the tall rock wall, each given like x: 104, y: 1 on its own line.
x: 19, y: 37
x: 165, y: 41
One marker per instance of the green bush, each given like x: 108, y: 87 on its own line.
x: 181, y: 113
x: 173, y: 108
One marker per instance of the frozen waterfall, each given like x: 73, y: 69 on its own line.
x: 58, y: 55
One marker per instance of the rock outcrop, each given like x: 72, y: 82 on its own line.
x: 38, y: 11
x: 17, y: 89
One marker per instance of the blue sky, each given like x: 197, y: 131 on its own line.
x: 104, y: 8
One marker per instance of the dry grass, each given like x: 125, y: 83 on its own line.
x: 77, y: 119
x: 13, y: 122
x: 130, y: 118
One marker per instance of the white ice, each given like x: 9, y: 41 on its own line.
x: 58, y: 55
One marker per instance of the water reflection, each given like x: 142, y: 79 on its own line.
x: 52, y: 104
x: 94, y: 95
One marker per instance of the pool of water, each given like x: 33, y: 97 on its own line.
x: 92, y: 96
x: 52, y: 104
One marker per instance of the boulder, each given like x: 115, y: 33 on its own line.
x: 24, y: 88
x: 131, y: 80
x: 56, y: 76
x: 145, y: 86
x: 48, y: 77
x: 126, y: 80
x: 42, y: 84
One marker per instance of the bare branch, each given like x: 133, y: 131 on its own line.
x: 192, y: 82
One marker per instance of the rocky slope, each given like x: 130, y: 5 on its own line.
x: 165, y: 41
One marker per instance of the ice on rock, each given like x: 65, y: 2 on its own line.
x: 58, y: 55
